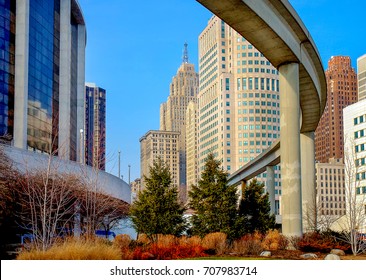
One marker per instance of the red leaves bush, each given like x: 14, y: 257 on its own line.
x: 174, y: 252
x: 316, y: 242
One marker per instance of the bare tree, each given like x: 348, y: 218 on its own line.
x: 98, y: 210
x: 355, y: 217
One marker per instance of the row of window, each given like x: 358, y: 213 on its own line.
x: 257, y: 143
x: 359, y: 134
x: 257, y: 83
x: 257, y: 95
x: 359, y: 120
x: 361, y: 190
x: 258, y: 119
x: 360, y: 148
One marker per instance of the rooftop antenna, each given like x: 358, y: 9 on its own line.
x: 185, y: 53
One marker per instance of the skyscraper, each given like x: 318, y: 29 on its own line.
x: 42, y: 75
x: 238, y: 101
x: 160, y: 144
x: 192, y: 144
x: 183, y: 90
x: 341, y: 92
x: 95, y: 126
x: 361, y: 73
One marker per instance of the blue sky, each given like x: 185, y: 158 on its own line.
x: 133, y: 51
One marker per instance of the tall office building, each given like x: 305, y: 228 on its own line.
x: 238, y: 101
x: 361, y: 76
x: 192, y: 145
x: 95, y: 126
x: 160, y: 144
x: 183, y: 90
x: 341, y: 92
x: 42, y: 46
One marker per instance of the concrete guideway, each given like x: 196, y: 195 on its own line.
x: 275, y: 29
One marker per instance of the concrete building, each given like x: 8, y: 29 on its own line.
x: 361, y: 77
x: 331, y: 194
x: 192, y: 144
x: 160, y: 144
x: 135, y: 188
x: 42, y: 75
x: 95, y: 126
x: 341, y: 92
x: 355, y: 160
x: 183, y: 89
x: 238, y: 102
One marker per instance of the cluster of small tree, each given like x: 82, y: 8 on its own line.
x: 215, y: 204
x: 47, y: 204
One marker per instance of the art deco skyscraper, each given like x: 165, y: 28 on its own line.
x: 183, y: 89
x: 341, y: 92
x: 95, y: 126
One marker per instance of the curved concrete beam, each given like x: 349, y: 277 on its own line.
x: 275, y: 29
x: 270, y: 157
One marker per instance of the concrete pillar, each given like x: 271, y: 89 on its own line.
x: 308, y: 180
x: 21, y: 74
x: 65, y: 79
x: 290, y: 150
x: 270, y: 186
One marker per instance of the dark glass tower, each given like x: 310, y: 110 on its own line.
x: 7, y: 68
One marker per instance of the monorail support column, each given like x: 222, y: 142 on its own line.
x: 270, y: 186
x: 290, y: 150
x: 308, y: 181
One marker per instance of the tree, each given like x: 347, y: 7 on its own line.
x: 255, y: 206
x: 157, y: 209
x: 354, y: 221
x: 215, y: 203
x: 8, y: 205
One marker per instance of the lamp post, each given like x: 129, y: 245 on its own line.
x: 119, y: 164
x: 129, y: 174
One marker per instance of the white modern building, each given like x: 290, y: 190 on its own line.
x: 355, y: 161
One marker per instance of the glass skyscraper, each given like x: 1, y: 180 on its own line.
x: 42, y: 75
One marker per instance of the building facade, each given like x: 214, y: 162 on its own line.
x: 361, y: 77
x: 238, y: 101
x: 192, y: 145
x: 355, y: 160
x: 331, y: 194
x: 341, y: 92
x: 160, y: 144
x: 183, y: 90
x: 42, y: 75
x: 95, y: 126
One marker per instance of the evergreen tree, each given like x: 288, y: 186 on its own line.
x: 215, y: 203
x: 157, y: 209
x: 255, y: 206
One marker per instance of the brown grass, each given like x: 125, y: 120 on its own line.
x: 193, y: 240
x: 250, y: 244
x: 215, y: 241
x: 274, y: 241
x: 73, y: 249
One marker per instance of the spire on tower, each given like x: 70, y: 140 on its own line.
x: 185, y: 53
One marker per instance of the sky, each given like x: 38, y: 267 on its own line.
x: 133, y: 51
